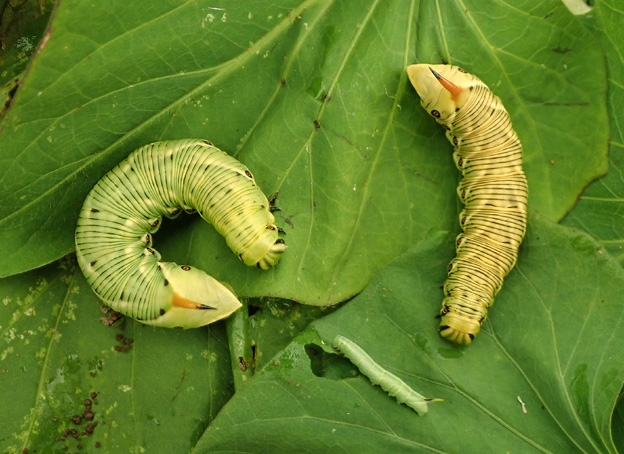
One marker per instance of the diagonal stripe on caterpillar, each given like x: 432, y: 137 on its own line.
x: 494, y: 190
x: 124, y: 209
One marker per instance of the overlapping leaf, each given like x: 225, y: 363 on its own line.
x: 313, y: 97
x: 542, y: 376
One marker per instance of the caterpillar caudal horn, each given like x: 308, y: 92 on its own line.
x: 124, y: 209
x: 493, y: 189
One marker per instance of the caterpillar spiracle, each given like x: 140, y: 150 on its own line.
x: 493, y: 189
x: 377, y: 375
x: 124, y: 209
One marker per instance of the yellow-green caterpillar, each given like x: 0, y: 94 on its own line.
x: 125, y: 208
x: 494, y: 190
x: 377, y: 375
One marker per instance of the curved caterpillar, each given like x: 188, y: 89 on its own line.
x: 494, y: 190
x: 377, y: 375
x: 124, y: 209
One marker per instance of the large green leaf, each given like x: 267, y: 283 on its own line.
x: 313, y: 97
x: 552, y: 343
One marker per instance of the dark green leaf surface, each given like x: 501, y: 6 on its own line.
x: 600, y: 210
x: 553, y: 340
x: 156, y: 391
x: 618, y: 425
x: 314, y: 98
x: 21, y: 25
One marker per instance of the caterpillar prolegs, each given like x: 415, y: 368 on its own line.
x: 493, y: 189
x: 124, y: 209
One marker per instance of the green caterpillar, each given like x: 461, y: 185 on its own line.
x: 377, y: 375
x: 124, y: 209
x: 494, y: 190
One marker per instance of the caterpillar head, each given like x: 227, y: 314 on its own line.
x: 458, y: 329
x: 266, y: 250
x: 443, y: 89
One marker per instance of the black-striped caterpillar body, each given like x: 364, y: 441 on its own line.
x: 493, y: 189
x: 124, y: 209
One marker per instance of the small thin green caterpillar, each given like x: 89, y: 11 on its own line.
x: 493, y: 189
x: 125, y: 208
x: 377, y: 375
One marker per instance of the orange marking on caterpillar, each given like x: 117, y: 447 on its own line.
x: 185, y: 303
